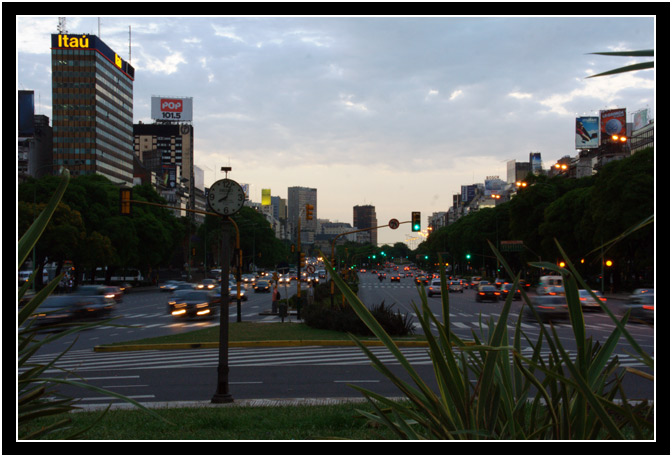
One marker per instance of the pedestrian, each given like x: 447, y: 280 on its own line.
x: 275, y: 297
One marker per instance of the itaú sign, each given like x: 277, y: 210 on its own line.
x: 73, y: 41
x: 69, y: 41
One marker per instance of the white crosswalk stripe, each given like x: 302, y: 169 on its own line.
x: 85, y: 360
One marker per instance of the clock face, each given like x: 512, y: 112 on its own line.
x: 226, y: 197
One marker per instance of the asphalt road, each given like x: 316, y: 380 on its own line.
x: 285, y: 372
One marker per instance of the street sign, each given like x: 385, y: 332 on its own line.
x: 511, y: 245
x: 394, y: 224
x: 310, y: 269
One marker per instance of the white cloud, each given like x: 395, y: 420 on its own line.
x: 456, y: 94
x: 167, y: 66
x: 519, y: 95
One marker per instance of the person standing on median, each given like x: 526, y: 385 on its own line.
x: 275, y: 297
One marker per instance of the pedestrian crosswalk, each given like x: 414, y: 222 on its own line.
x: 82, y: 361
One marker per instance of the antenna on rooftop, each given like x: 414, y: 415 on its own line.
x: 61, y: 26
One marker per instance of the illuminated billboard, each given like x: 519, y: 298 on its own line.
x: 265, y: 197
x: 172, y: 109
x: 587, y: 132
x: 612, y: 122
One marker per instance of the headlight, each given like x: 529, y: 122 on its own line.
x: 177, y: 312
x: 202, y: 312
x: 202, y: 305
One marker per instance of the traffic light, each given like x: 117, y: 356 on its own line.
x: 415, y: 221
x: 468, y: 256
x: 125, y: 197
x: 309, y: 212
x: 302, y: 260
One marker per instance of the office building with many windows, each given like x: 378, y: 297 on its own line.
x: 92, y: 116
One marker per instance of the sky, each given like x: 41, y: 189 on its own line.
x: 394, y: 112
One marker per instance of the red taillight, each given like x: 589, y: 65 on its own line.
x: 496, y: 293
x: 481, y: 293
x: 603, y: 299
x: 546, y: 307
x: 648, y: 307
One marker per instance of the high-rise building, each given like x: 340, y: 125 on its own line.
x: 297, y: 198
x: 173, y: 144
x: 364, y: 216
x: 92, y: 116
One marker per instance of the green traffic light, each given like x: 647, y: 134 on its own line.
x: 468, y: 256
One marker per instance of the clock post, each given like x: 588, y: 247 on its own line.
x: 222, y: 394
x: 225, y: 197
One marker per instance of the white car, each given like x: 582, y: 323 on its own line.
x: 434, y: 287
x: 588, y: 302
x: 455, y: 286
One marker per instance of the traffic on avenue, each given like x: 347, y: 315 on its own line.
x: 149, y: 374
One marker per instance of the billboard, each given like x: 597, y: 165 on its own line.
x: 612, y: 122
x: 587, y: 132
x: 172, y: 109
x: 265, y: 197
x: 640, y: 119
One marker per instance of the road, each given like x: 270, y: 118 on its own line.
x: 283, y: 372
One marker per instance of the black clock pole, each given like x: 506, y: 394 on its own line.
x: 222, y: 395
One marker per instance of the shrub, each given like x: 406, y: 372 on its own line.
x: 343, y: 319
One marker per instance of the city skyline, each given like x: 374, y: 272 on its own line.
x: 385, y: 112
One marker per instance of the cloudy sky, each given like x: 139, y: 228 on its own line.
x: 395, y: 112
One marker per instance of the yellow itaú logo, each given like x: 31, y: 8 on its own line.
x: 117, y: 60
x: 65, y: 41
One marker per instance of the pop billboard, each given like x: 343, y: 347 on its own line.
x: 587, y: 132
x: 612, y: 122
x: 172, y: 109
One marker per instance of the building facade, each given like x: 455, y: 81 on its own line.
x: 297, y: 199
x: 92, y: 113
x: 364, y: 216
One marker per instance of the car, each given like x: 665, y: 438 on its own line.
x: 284, y: 279
x: 248, y: 278
x: 61, y: 309
x: 487, y: 292
x: 193, y: 303
x: 233, y: 288
x: 475, y: 280
x: 506, y: 290
x: 548, y: 307
x: 499, y: 281
x: 421, y: 279
x: 434, y: 287
x: 207, y: 284
x: 455, y: 285
x: 588, y: 302
x: 312, y: 278
x: 640, y: 304
x: 168, y: 285
x: 546, y: 282
x: 113, y: 292
x: 554, y: 290
x: 395, y: 277
x: 262, y: 286
x: 182, y: 286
